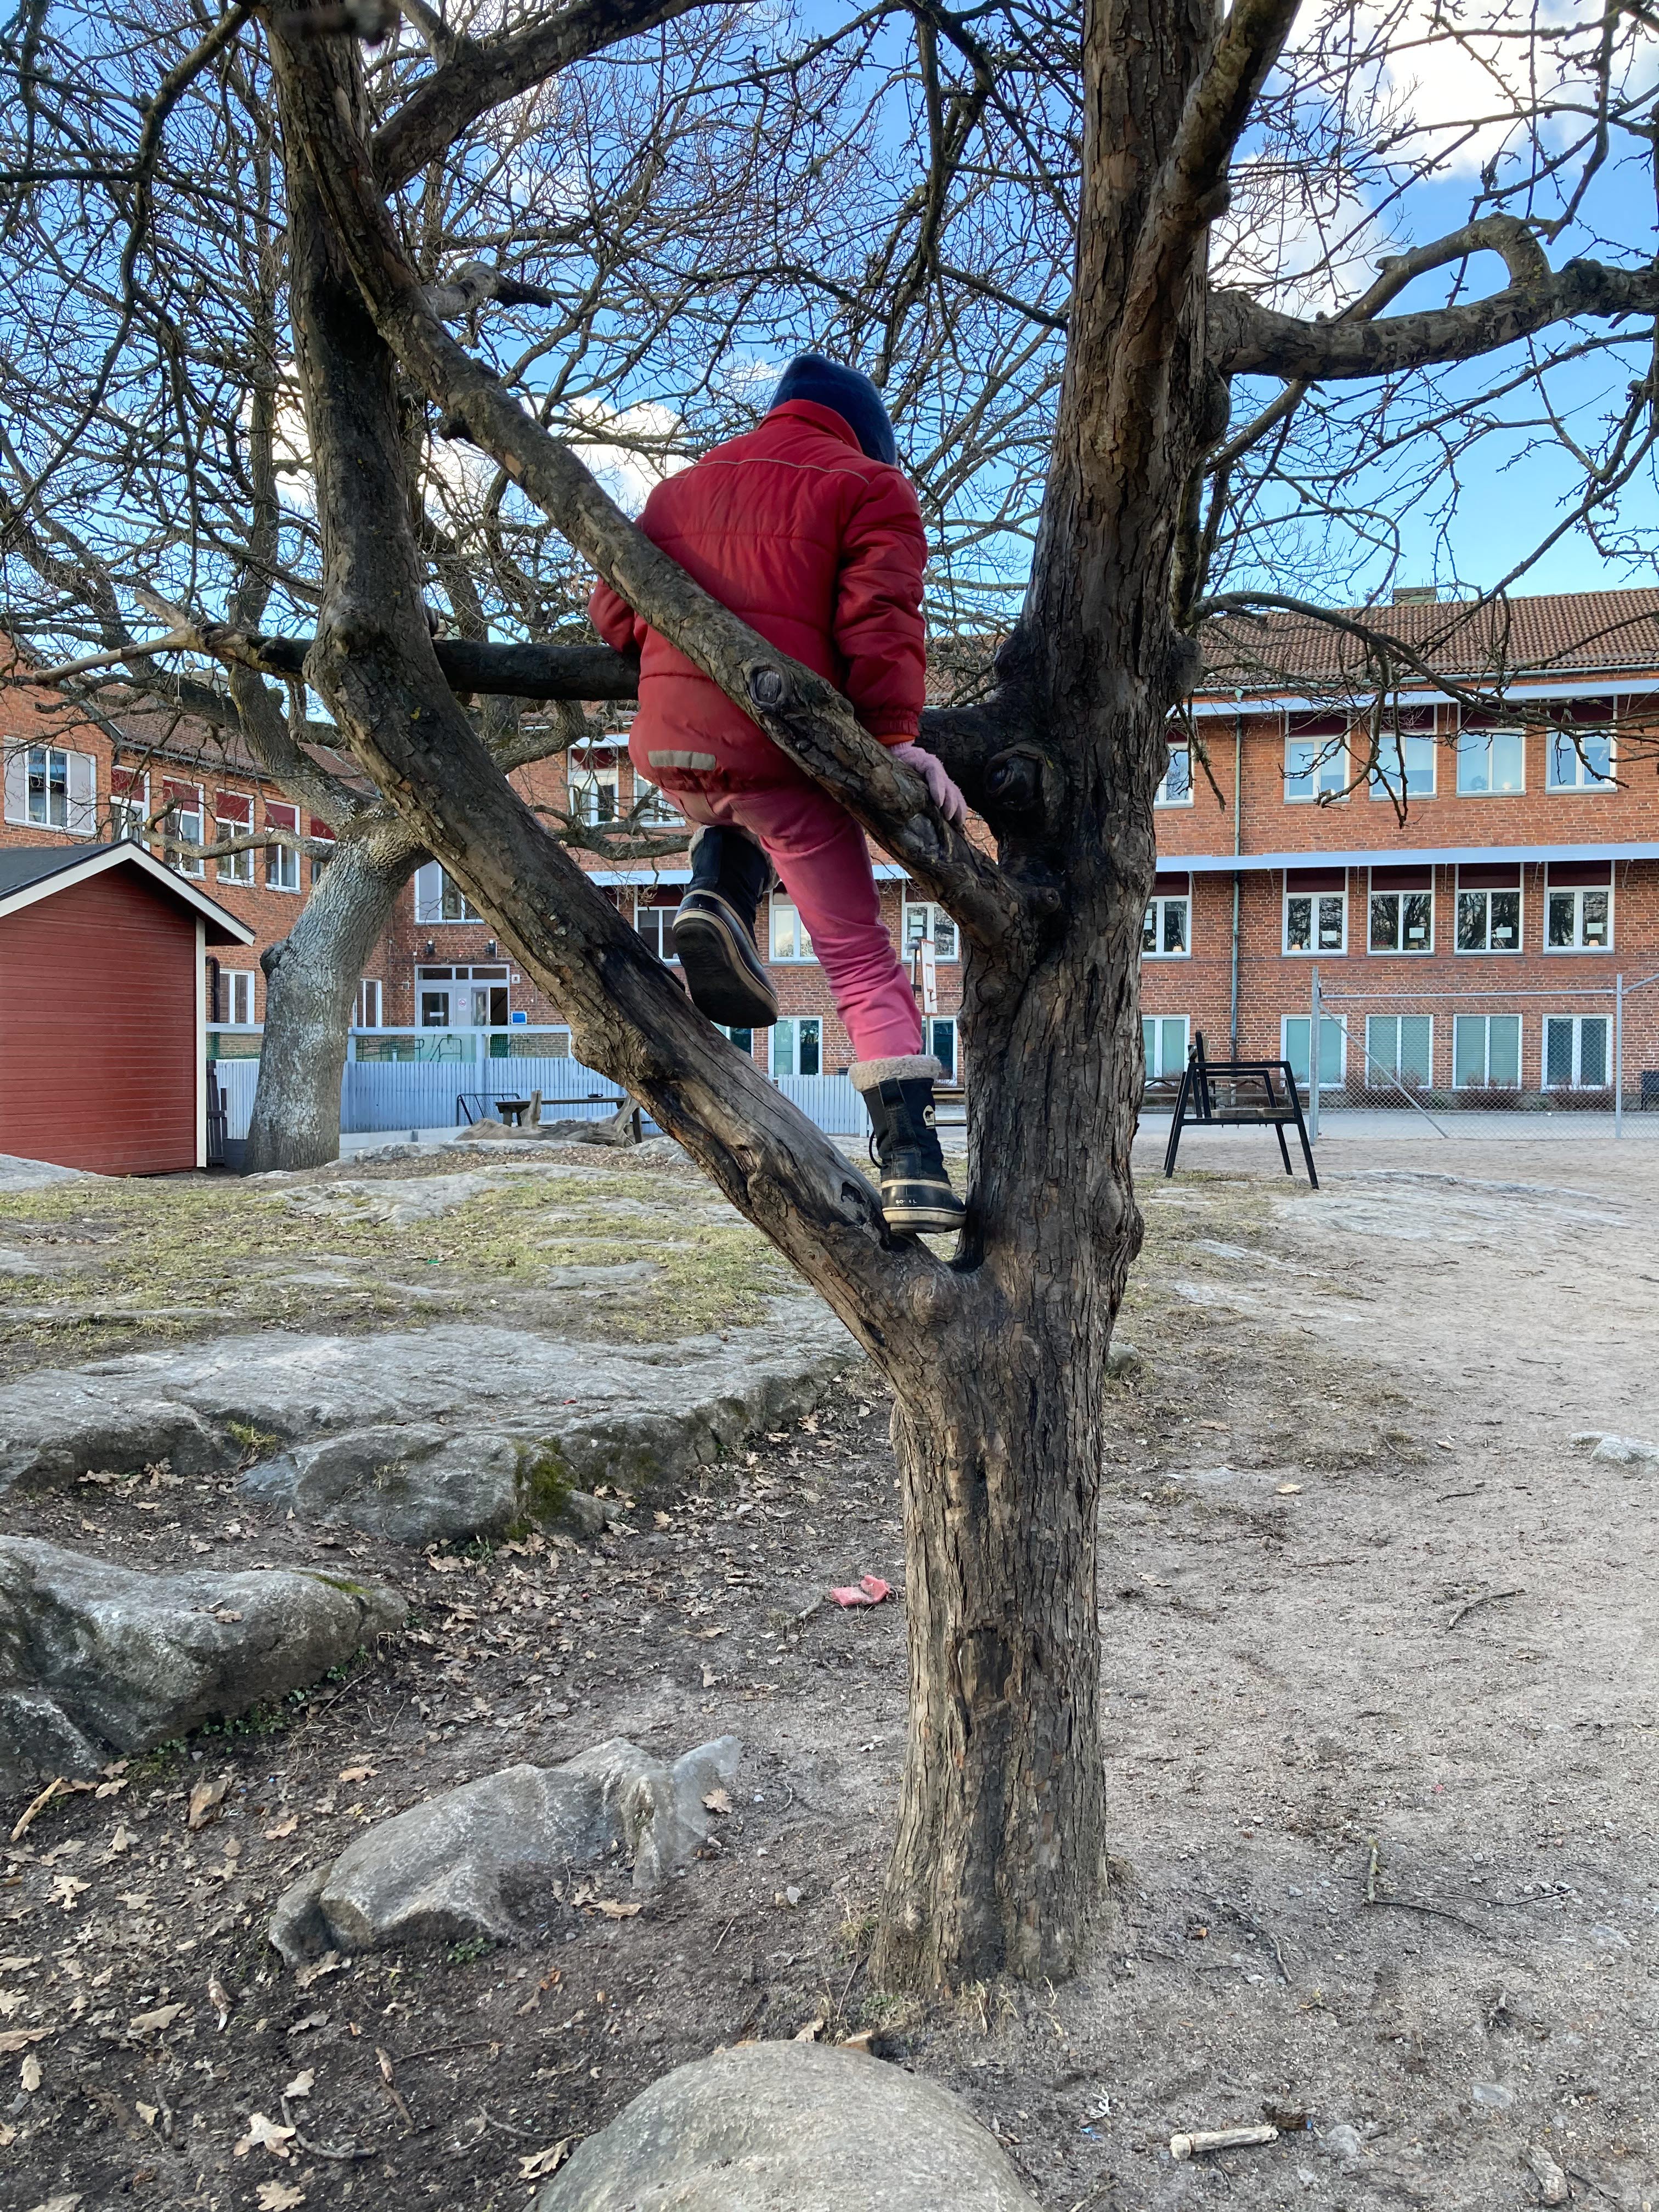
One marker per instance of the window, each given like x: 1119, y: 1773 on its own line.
x: 1577, y: 915
x: 938, y: 1036
x: 365, y: 1014
x: 652, y: 806
x: 654, y: 925
x: 51, y: 789
x: 1491, y: 762
x: 237, y: 985
x: 798, y: 1046
x: 1579, y: 760
x: 593, y: 791
x: 1164, y: 1045
x: 1489, y: 910
x: 438, y: 897
x: 743, y: 1039
x: 789, y: 938
x: 1405, y: 758
x: 1400, y: 1048
x: 1316, y: 914
x: 924, y: 923
x: 1486, y: 1052
x: 232, y: 816
x: 1333, y: 1045
x: 1401, y: 912
x: 282, y: 861
x: 1576, y: 1056
x: 1164, y: 933
x: 185, y: 821
x: 1316, y: 758
x: 325, y: 836
x: 129, y: 804
x: 1177, y: 788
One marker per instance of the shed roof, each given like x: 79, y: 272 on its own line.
x: 28, y: 873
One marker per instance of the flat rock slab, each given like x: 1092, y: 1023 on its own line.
x: 451, y: 1431
x: 1636, y: 1453
x: 494, y: 1857
x: 790, y: 2127
x: 97, y: 1661
x: 19, y: 1174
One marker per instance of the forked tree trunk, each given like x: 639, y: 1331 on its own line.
x: 310, y: 986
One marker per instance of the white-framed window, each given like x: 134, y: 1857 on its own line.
x: 652, y: 806
x: 319, y: 860
x: 1579, y: 760
x: 1401, y: 917
x: 438, y: 897
x: 232, y: 816
x: 1576, y: 1052
x: 365, y: 1014
x: 129, y: 804
x: 1315, y: 759
x: 1491, y: 763
x: 1488, y: 914
x: 654, y: 925
x: 787, y: 939
x: 185, y: 819
x: 1315, y: 921
x: 1486, y: 1052
x: 926, y: 923
x: 1163, y: 1046
x: 52, y: 788
x: 1400, y: 1048
x: 237, y: 987
x: 1176, y: 789
x: 1166, y: 932
x: 797, y: 1045
x: 593, y: 791
x: 743, y: 1039
x: 938, y: 1036
x: 282, y: 861
x: 1293, y: 1032
x: 1405, y: 763
x: 1578, y: 917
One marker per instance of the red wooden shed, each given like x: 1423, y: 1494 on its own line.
x: 103, y: 1008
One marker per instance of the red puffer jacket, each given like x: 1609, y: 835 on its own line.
x: 818, y: 548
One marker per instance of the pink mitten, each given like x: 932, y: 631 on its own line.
x: 931, y: 771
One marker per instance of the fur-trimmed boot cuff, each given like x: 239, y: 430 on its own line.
x: 903, y: 1067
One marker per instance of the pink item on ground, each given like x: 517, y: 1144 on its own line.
x: 871, y: 1590
x: 820, y: 852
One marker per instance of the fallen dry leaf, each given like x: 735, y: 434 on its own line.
x: 809, y: 2033
x: 614, y: 1910
x: 17, y: 1962
x: 541, y: 2163
x: 265, y: 2134
x: 204, y: 1798
x: 60, y: 2203
x: 148, y: 2113
x: 221, y: 1999
x: 29, y: 2074
x: 355, y: 1773
x: 706, y: 1635
x: 1288, y: 1490
x: 285, y: 1828
x: 277, y: 2197
x: 7, y: 2134
x: 330, y: 1963
x: 19, y: 2039
x: 446, y: 1563
x: 303, y: 2084
x: 66, y: 1888
x: 718, y: 1800
x: 153, y: 2023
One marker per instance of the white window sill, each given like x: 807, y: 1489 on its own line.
x: 1167, y: 956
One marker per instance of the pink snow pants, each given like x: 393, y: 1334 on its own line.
x: 820, y: 852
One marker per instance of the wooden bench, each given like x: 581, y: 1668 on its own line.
x: 1237, y: 1094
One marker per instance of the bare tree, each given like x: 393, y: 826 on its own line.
x: 1127, y: 130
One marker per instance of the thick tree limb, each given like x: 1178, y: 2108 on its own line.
x: 803, y: 716
x: 480, y: 77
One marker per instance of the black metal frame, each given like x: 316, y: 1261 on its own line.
x: 484, y: 1099
x: 218, y: 1119
x: 1277, y: 1106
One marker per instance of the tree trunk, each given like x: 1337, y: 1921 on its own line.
x: 310, y: 986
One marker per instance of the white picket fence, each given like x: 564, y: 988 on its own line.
x: 402, y: 1095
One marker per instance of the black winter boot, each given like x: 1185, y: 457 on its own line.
x: 714, y: 930
x: 916, y: 1197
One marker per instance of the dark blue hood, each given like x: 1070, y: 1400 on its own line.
x: 849, y: 393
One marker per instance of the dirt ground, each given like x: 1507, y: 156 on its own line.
x: 1382, y: 1678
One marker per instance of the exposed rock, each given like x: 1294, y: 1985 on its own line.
x: 416, y: 1434
x: 488, y: 1859
x: 19, y: 1174
x: 98, y: 1660
x: 790, y: 2127
x: 1617, y: 1451
x: 1122, y: 1358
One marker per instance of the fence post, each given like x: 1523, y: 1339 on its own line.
x: 1618, y: 1055
x: 1315, y: 1019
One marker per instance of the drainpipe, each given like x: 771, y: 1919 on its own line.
x: 1238, y: 803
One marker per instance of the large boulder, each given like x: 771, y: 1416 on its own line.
x: 455, y: 1430
x: 98, y: 1660
x: 790, y: 2127
x: 490, y: 1858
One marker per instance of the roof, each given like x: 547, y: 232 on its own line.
x: 31, y: 872
x: 1550, y: 634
